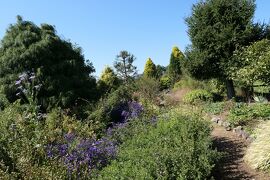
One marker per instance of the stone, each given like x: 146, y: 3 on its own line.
x: 228, y: 128
x: 215, y: 119
x: 237, y: 129
x: 250, y: 139
x: 244, y: 135
x: 220, y: 122
x: 226, y: 124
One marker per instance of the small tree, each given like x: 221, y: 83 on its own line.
x: 150, y: 69
x: 174, y: 69
x: 124, y: 65
x: 108, y: 80
x: 251, y: 65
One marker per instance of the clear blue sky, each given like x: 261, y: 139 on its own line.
x: 146, y: 28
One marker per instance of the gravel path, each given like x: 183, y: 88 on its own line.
x: 232, y: 165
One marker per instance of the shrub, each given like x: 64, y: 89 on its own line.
x: 178, y: 147
x: 198, y: 95
x: 257, y: 154
x: 165, y: 82
x: 109, y: 109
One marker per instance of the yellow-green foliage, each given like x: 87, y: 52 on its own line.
x: 108, y: 80
x: 198, y: 95
x: 150, y: 68
x: 175, y: 64
x: 258, y: 153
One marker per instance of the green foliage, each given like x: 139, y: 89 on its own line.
x: 174, y: 68
x: 251, y: 64
x: 216, y: 28
x: 160, y: 71
x: 148, y: 89
x: 165, y: 82
x: 24, y: 136
x: 242, y: 114
x: 214, y: 108
x: 177, y: 147
x: 3, y: 102
x: 124, y: 65
x: 150, y: 69
x: 107, y: 110
x: 59, y: 64
x: 108, y: 81
x: 198, y: 95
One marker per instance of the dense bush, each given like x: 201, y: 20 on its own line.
x: 198, y: 95
x: 242, y: 113
x: 109, y: 109
x: 165, y: 82
x: 257, y: 155
x: 178, y: 147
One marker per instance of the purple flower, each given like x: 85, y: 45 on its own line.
x: 18, y: 82
x: 86, y: 155
x: 23, y: 76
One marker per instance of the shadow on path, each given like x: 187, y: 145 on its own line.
x: 230, y: 164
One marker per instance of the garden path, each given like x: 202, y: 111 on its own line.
x: 232, y: 165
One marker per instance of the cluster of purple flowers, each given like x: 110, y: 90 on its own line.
x: 134, y: 110
x: 82, y: 155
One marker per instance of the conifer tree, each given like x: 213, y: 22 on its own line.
x: 174, y: 69
x: 124, y: 66
x: 59, y: 65
x: 150, y: 69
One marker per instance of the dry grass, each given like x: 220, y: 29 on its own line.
x: 258, y: 153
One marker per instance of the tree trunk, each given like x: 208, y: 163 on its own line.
x: 230, y: 89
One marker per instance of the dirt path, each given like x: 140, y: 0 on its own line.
x: 232, y: 165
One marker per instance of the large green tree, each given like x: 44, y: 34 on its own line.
x: 174, y: 68
x: 58, y: 64
x: 216, y: 29
x: 124, y: 66
x: 150, y: 69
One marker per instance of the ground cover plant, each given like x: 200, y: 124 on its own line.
x: 177, y: 147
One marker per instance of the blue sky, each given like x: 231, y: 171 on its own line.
x: 146, y: 28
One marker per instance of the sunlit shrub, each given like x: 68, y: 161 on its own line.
x: 178, y: 147
x: 197, y: 96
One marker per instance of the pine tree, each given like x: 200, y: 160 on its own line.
x: 124, y: 66
x: 58, y: 64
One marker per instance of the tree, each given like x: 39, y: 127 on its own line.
x: 253, y: 64
x: 124, y: 65
x: 161, y: 70
x: 108, y: 80
x: 174, y: 69
x: 58, y: 64
x: 150, y: 69
x: 216, y: 28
